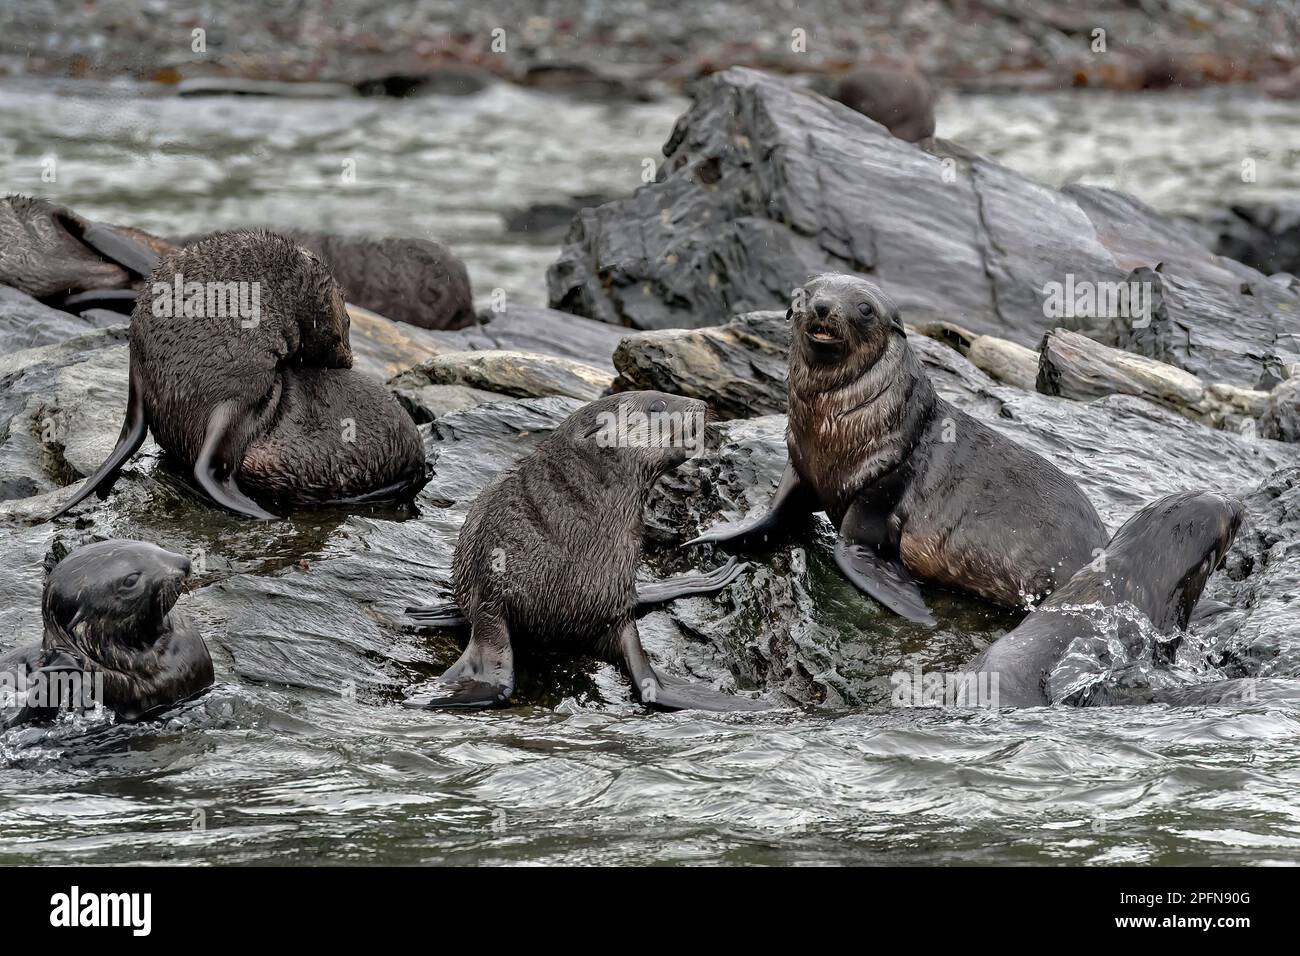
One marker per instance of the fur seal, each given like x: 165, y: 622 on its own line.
x: 916, y: 487
x: 1157, y: 563
x: 548, y: 554
x: 66, y: 260
x: 900, y: 100
x: 241, y: 368
x: 112, y: 636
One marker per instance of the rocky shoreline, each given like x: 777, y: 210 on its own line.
x: 682, y: 287
x: 631, y: 48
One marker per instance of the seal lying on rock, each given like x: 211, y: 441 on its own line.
x: 52, y: 254
x: 112, y: 637
x: 900, y: 100
x: 241, y: 368
x: 1157, y: 563
x: 916, y: 487
x: 548, y: 554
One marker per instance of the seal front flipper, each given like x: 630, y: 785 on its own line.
x: 792, y: 499
x: 670, y: 693
x: 647, y: 595
x: 483, y: 676
x: 215, y: 472
x: 685, y: 585
x: 861, y: 551
x: 134, y: 428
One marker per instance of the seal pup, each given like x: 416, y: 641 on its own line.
x: 112, y: 636
x: 61, y: 258
x: 548, y: 553
x: 241, y: 368
x: 1157, y: 563
x: 917, y: 488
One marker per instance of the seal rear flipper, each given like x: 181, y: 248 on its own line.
x: 883, y: 579
x: 119, y: 246
x: 437, y: 615
x: 483, y: 675
x: 791, y: 500
x: 671, y: 693
x: 129, y: 440
x: 684, y: 585
x: 215, y: 473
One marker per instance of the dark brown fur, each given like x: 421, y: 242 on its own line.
x: 976, y: 511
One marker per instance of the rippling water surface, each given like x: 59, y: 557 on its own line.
x: 275, y: 764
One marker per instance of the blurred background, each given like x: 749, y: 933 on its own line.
x: 487, y: 125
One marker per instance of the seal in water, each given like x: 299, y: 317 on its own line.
x: 1157, y: 563
x: 241, y: 368
x: 66, y: 260
x: 916, y: 487
x: 112, y: 636
x: 548, y: 554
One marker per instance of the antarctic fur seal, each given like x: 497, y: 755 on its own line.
x: 548, y: 554
x: 241, y: 367
x: 59, y: 257
x: 1157, y: 563
x: 917, y: 488
x: 112, y: 636
x: 900, y: 100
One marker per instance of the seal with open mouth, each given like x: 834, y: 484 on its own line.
x: 917, y: 488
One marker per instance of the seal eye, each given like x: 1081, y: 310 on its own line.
x: 658, y: 405
x: 131, y: 580
x: 866, y: 310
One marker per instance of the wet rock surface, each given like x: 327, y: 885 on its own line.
x: 521, y: 374
x: 763, y: 185
x: 738, y: 368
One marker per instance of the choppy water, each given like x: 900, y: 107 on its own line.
x: 276, y: 764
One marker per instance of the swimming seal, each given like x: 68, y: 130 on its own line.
x: 112, y: 636
x: 917, y: 488
x: 241, y: 368
x: 66, y: 260
x: 548, y: 554
x: 1157, y: 564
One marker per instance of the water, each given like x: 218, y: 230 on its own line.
x: 299, y: 754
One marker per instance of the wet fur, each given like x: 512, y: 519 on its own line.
x: 979, y: 513
x: 151, y: 656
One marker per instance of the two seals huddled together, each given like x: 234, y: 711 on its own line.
x: 241, y: 367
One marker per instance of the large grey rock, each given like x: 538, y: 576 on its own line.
x: 525, y: 328
x: 762, y: 185
x: 1263, y: 235
x: 1281, y: 417
x: 26, y: 323
x: 519, y: 374
x: 738, y: 368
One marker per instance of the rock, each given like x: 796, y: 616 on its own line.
x: 61, y: 409
x: 738, y: 368
x: 1001, y: 360
x: 25, y: 323
x: 1264, y: 235
x: 526, y: 328
x: 408, y: 280
x: 382, y: 347
x: 440, y: 81
x: 522, y: 374
x: 900, y: 100
x: 763, y: 185
x: 427, y: 403
x: 1281, y: 417
x: 235, y: 86
x: 1074, y: 366
x: 548, y: 222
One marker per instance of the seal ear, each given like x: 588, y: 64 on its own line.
x: 896, y: 323
x: 789, y: 314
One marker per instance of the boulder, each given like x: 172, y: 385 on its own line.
x: 763, y: 184
x: 521, y: 374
